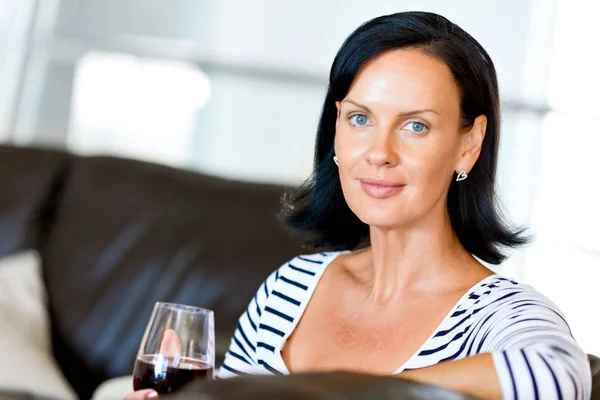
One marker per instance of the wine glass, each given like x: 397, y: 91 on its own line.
x: 178, y: 346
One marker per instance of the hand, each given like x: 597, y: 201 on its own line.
x: 142, y: 395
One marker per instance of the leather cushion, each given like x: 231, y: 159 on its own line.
x: 27, y: 179
x: 330, y: 386
x: 595, y: 368
x: 128, y: 234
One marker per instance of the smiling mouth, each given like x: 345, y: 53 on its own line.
x: 381, y: 189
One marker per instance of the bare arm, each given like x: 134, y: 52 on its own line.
x: 474, y: 375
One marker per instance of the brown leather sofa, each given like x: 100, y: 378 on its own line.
x: 118, y: 235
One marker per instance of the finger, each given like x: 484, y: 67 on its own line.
x: 171, y: 344
x: 142, y: 395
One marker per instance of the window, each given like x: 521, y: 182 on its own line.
x: 564, y: 261
x: 134, y: 107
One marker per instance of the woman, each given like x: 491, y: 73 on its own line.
x: 402, y: 199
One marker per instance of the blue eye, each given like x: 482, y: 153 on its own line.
x: 359, y: 119
x: 417, y: 127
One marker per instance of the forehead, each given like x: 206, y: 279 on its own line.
x: 406, y: 79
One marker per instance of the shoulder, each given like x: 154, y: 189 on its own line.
x: 498, y: 290
x: 298, y: 276
x: 306, y: 266
x: 499, y: 298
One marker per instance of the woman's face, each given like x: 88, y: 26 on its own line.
x: 399, y: 138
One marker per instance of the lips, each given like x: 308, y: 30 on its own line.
x: 380, y: 189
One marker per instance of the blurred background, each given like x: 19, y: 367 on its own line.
x: 233, y: 88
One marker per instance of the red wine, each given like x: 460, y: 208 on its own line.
x: 167, y: 374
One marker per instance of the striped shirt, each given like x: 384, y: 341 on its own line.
x: 534, y: 353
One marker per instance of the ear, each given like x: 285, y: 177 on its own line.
x: 471, y: 144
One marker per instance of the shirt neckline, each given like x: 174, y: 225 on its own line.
x: 314, y: 282
x: 443, y: 322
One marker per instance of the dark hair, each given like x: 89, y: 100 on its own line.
x: 318, y: 207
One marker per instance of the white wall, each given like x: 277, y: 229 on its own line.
x: 258, y: 129
x: 303, y: 36
x: 15, y: 18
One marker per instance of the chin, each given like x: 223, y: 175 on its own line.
x: 381, y: 218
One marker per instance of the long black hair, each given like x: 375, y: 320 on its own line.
x: 318, y: 208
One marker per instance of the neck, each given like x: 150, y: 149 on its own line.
x: 427, y: 258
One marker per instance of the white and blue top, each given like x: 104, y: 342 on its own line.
x: 534, y: 352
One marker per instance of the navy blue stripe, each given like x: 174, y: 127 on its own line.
x: 462, y: 346
x: 456, y: 337
x: 506, y: 296
x: 277, y: 275
x: 512, y: 376
x: 250, y: 319
x: 266, y: 289
x: 482, y: 341
x: 257, y: 307
x: 294, y: 283
x: 556, y: 384
x: 442, y: 347
x: 309, y: 260
x: 464, y: 342
x: 279, y: 314
x: 479, y: 326
x: 445, y: 332
x: 304, y: 271
x: 507, y: 338
x: 521, y: 301
x: 286, y: 298
x: 457, y: 313
x: 271, y: 329
x: 532, y: 319
x: 486, y: 334
x: 241, y: 331
x: 560, y: 316
x: 239, y: 357
x: 235, y: 371
x: 241, y: 346
x: 507, y: 280
x: 524, y: 304
x: 269, y: 368
x: 542, y: 305
x: 265, y: 346
x: 533, y: 380
x: 574, y: 385
x: 560, y: 350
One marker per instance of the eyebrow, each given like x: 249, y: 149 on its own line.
x: 400, y: 114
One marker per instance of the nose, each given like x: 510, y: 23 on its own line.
x: 383, y: 151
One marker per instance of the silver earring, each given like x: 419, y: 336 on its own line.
x: 462, y: 175
x: 335, y: 160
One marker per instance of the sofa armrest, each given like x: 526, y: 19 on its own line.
x: 329, y: 386
x: 595, y: 368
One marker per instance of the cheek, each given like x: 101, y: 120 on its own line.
x: 351, y: 146
x: 431, y: 169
